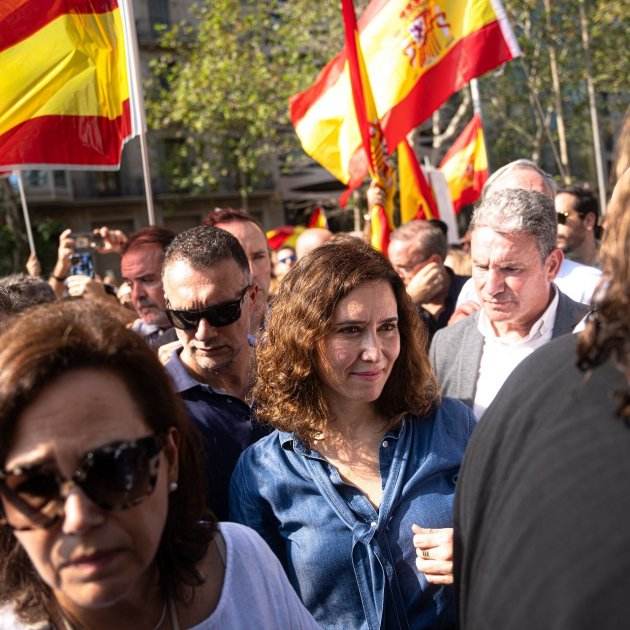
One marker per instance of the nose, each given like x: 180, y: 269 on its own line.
x: 205, y: 330
x: 137, y: 292
x: 370, y: 347
x: 494, y: 283
x: 80, y: 513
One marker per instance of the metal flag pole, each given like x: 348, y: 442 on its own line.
x: 27, y: 218
x: 137, y: 111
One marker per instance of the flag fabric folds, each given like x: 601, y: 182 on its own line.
x: 284, y: 236
x: 65, y: 95
x: 416, y: 195
x: 418, y: 53
x: 318, y: 218
x: 465, y: 165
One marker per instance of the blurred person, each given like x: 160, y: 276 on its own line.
x: 141, y: 268
x: 353, y: 491
x: 541, y: 504
x: 575, y: 280
x: 211, y: 299
x: 285, y: 261
x: 578, y: 214
x: 25, y: 290
x: 459, y: 260
x: 311, y: 239
x: 417, y: 251
x: 103, y: 521
x: 251, y: 236
x: 515, y: 261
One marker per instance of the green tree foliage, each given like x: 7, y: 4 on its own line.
x: 511, y: 96
x: 222, y: 82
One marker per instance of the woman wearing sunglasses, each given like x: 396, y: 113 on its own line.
x: 103, y: 523
x: 354, y: 491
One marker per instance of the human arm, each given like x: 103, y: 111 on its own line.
x: 62, y: 266
x: 463, y: 310
x: 113, y: 240
x: 428, y: 283
x: 33, y: 266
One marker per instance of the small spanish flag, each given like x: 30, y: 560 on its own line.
x: 465, y: 165
x: 283, y: 236
x: 318, y: 218
x: 416, y: 195
x: 66, y: 99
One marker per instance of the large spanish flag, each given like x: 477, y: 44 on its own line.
x: 417, y: 54
x: 465, y: 165
x: 65, y: 95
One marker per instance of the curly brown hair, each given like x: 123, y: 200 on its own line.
x: 288, y: 390
x: 607, y: 333
x: 36, y: 349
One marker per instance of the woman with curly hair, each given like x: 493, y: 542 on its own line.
x: 542, y: 509
x: 102, y: 509
x: 364, y: 448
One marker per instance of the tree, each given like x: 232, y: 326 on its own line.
x: 222, y: 82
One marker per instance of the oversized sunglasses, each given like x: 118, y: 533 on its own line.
x: 562, y: 217
x: 218, y: 315
x: 115, y: 476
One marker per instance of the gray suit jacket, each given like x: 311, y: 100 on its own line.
x: 456, y: 350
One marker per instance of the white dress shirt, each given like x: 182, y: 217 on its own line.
x: 501, y: 355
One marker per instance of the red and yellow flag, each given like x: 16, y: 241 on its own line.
x: 418, y: 53
x: 318, y: 218
x: 283, y: 236
x: 416, y: 195
x: 65, y: 94
x: 366, y: 116
x: 465, y: 165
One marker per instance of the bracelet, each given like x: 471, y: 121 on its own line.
x: 57, y: 278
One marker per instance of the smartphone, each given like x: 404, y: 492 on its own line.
x: 87, y: 240
x: 82, y: 264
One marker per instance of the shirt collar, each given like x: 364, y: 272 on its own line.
x: 182, y: 379
x: 542, y: 326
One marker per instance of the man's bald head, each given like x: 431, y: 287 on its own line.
x: 520, y: 174
x: 311, y: 239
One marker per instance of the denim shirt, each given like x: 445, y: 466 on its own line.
x: 353, y: 565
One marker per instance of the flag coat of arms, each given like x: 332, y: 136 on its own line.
x: 66, y: 99
x: 465, y: 165
x: 417, y: 54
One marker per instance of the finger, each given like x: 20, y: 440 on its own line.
x: 434, y: 567
x: 417, y: 529
x: 439, y: 552
x: 439, y: 579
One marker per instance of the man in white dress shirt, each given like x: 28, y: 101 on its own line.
x: 515, y: 261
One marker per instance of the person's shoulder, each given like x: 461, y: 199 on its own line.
x: 458, y: 329
x: 576, y: 269
x: 268, y: 447
x: 241, y: 536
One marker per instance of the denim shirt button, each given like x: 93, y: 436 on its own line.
x: 373, y: 524
x: 385, y: 443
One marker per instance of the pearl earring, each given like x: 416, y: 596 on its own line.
x: 172, y: 486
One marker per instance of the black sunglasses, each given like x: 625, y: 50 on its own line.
x: 218, y: 315
x: 562, y: 217
x: 115, y: 476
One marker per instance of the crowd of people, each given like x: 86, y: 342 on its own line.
x: 329, y: 437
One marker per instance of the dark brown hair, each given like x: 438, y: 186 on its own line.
x: 230, y: 215
x: 51, y: 340
x: 152, y: 235
x: 607, y: 334
x: 288, y: 391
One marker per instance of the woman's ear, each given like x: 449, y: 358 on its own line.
x: 171, y: 451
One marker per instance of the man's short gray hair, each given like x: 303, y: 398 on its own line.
x: 519, y: 210
x: 427, y: 238
x: 518, y: 165
x: 24, y: 291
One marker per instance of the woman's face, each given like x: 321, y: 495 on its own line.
x: 91, y: 557
x: 356, y: 358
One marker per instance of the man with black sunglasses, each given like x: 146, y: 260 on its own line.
x: 210, y: 300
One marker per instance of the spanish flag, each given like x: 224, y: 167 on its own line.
x: 65, y: 95
x: 416, y: 195
x: 465, y: 165
x: 417, y: 53
x: 318, y: 218
x: 284, y: 236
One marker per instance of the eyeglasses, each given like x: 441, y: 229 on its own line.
x: 217, y: 315
x: 562, y: 217
x: 288, y: 259
x: 115, y: 476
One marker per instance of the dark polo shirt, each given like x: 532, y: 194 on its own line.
x: 225, y: 426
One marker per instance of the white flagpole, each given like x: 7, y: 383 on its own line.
x: 27, y: 219
x: 137, y: 99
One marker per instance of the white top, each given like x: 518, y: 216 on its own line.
x: 574, y: 280
x: 256, y: 592
x: 501, y: 355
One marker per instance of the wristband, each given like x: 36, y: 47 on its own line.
x: 57, y: 278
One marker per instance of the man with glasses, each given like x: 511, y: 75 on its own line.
x: 210, y: 300
x: 417, y: 251
x: 578, y: 213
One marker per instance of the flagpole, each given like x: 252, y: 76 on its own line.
x: 476, y: 101
x: 137, y: 113
x: 27, y: 219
